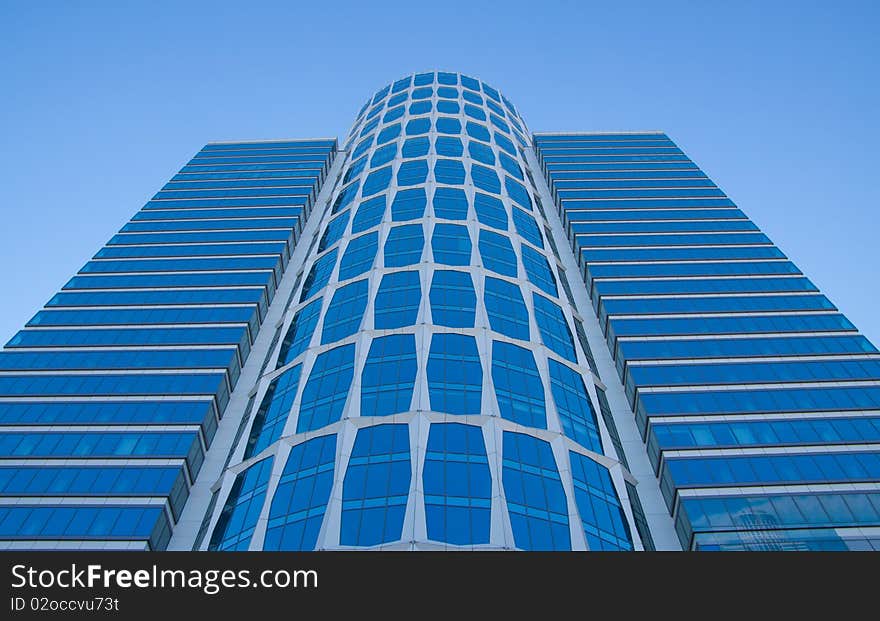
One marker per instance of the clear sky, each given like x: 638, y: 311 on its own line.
x: 102, y: 102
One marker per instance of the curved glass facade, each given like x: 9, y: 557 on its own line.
x: 428, y: 391
x: 449, y: 333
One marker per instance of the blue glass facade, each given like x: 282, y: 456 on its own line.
x: 110, y: 397
x: 435, y: 346
x: 427, y: 380
x: 756, y: 398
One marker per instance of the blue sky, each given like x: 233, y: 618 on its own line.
x: 103, y: 101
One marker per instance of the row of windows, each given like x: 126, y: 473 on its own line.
x: 419, y: 126
x: 771, y: 469
x: 445, y: 145
x: 105, y: 522
x: 680, y: 253
x: 746, y: 433
x: 726, y: 304
x: 169, y: 335
x: 193, y: 250
x: 446, y: 82
x: 174, y: 265
x: 115, y: 316
x: 97, y: 481
x: 97, y: 412
x: 754, y: 372
x: 133, y: 281
x: 454, y: 374
x: 147, y: 298
x: 120, y: 359
x: 457, y: 486
x: 452, y: 302
x: 728, y: 325
x: 69, y: 444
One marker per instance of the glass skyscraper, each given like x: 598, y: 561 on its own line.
x: 448, y: 332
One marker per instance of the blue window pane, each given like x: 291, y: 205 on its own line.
x: 470, y: 83
x: 346, y: 310
x: 342, y: 201
x: 457, y: 485
x: 389, y: 133
x: 362, y: 147
x: 420, y: 107
x: 393, y: 114
x: 447, y: 93
x: 418, y: 126
x: 454, y: 374
x: 509, y: 164
x: 389, y: 375
x: 404, y: 245
x: 377, y: 181
x: 237, y: 521
x: 453, y: 301
x: 325, y: 393
x: 301, y: 497
x: 447, y: 78
x: 449, y: 146
x: 416, y: 147
x: 554, y: 330
x: 490, y: 211
x: 409, y: 205
x: 481, y: 152
x: 527, y: 227
x: 450, y: 203
x: 383, y: 155
x: 401, y: 85
x: 575, y: 410
x: 538, y: 270
x: 472, y: 97
x: 485, y: 179
x: 359, y: 256
x: 370, y: 126
x: 506, y: 309
x: 398, y: 300
x: 478, y: 131
x: 376, y: 486
x: 447, y: 125
x: 334, y: 231
x: 497, y: 253
x: 448, y: 107
x: 354, y: 169
x: 473, y: 111
x: 319, y: 275
x: 518, y: 193
x: 602, y: 516
x: 535, y: 498
x: 412, y: 172
x: 451, y: 244
x: 504, y: 143
x: 449, y: 171
x: 517, y: 385
x: 424, y: 78
x: 300, y: 332
x: 272, y: 414
x: 422, y: 93
x: 497, y: 121
x: 369, y: 214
